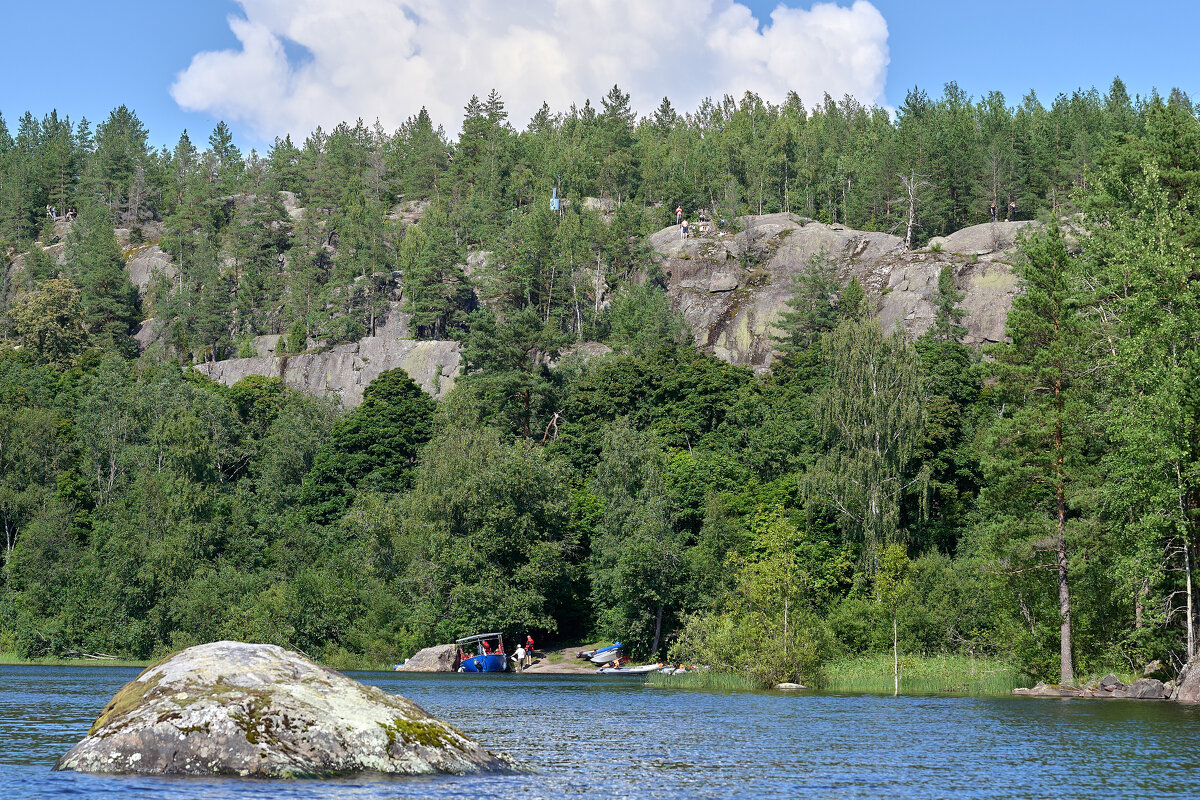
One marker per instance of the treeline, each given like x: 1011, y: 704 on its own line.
x: 246, y: 267
x: 1038, y: 504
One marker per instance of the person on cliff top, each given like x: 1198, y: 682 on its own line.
x: 683, y: 231
x: 1012, y: 211
x: 993, y: 210
x: 678, y: 214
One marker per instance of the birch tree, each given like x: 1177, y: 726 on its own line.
x: 871, y: 418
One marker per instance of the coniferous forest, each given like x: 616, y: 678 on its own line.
x: 1035, y: 502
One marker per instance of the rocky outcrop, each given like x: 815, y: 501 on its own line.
x: 345, y: 370
x: 733, y: 289
x: 229, y: 708
x: 1110, y: 687
x: 439, y: 658
x: 145, y: 262
x: 1187, y: 689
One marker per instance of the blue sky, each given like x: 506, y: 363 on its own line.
x: 84, y: 58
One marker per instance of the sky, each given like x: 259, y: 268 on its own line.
x: 270, y: 67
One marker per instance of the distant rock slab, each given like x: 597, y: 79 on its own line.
x: 439, y: 658
x: 345, y: 370
x: 229, y: 708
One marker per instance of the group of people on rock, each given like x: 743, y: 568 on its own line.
x: 685, y: 228
x: 52, y: 213
x: 1012, y: 211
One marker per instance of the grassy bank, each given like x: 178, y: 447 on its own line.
x: 872, y: 674
x: 962, y: 675
x: 8, y: 658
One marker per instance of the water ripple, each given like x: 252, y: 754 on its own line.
x: 612, y: 738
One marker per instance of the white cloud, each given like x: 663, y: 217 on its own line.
x: 386, y: 58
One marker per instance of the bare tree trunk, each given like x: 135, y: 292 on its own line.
x: 895, y: 657
x: 657, y: 630
x: 913, y: 183
x: 1066, y: 664
x: 1191, y: 617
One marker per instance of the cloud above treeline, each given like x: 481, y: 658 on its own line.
x: 304, y: 63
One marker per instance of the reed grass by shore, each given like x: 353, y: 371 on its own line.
x: 872, y: 674
x: 707, y: 680
x: 949, y: 674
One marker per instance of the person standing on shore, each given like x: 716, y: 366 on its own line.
x: 519, y: 656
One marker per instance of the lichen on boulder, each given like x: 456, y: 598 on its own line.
x: 229, y: 708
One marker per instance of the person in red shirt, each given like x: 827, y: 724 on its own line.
x: 678, y: 214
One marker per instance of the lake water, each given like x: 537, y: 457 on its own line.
x: 616, y: 738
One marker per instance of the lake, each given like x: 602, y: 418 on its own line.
x: 611, y: 738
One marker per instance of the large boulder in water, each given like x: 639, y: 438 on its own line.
x: 230, y: 708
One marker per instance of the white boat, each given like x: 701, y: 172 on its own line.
x: 605, y: 654
x: 602, y: 655
x: 645, y: 669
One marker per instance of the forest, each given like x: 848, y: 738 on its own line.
x: 1034, y: 502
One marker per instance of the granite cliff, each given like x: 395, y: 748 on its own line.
x: 733, y: 288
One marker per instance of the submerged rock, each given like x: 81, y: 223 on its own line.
x: 229, y: 708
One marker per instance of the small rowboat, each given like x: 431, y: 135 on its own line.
x: 645, y: 669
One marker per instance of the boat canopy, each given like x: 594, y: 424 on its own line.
x: 479, y: 637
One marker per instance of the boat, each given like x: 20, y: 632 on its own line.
x: 645, y: 669
x: 489, y: 655
x: 603, y: 655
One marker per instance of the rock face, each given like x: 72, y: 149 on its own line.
x: 229, y: 708
x: 1188, y: 688
x: 145, y: 262
x: 733, y: 289
x: 345, y: 370
x: 439, y: 658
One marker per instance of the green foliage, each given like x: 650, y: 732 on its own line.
x: 49, y: 322
x: 871, y: 418
x: 654, y: 494
x: 372, y: 448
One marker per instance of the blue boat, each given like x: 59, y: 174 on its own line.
x: 483, y: 652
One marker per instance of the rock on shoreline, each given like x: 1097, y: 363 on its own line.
x: 229, y: 708
x: 439, y: 658
x: 1108, y: 687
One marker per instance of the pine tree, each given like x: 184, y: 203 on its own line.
x: 95, y: 264
x: 1036, y: 456
x: 436, y: 292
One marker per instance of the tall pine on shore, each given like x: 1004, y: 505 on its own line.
x: 1036, y: 455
